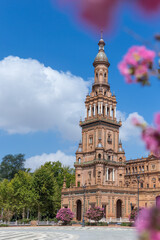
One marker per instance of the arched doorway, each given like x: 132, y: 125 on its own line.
x: 79, y: 210
x: 119, y: 208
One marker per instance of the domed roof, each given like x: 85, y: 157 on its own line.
x: 101, y: 57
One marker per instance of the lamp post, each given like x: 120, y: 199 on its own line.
x: 131, y: 206
x: 138, y: 177
x: 83, y: 221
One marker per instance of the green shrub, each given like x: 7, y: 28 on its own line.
x: 102, y: 224
x: 55, y: 220
x: 25, y: 221
x: 126, y: 224
x: 3, y: 225
x: 96, y: 224
x: 73, y: 222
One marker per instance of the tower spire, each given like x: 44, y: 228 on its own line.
x: 101, y: 33
x: 101, y: 57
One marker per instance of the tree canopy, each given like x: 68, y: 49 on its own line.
x: 11, y: 164
x: 34, y: 195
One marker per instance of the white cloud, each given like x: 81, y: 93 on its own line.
x: 38, y: 98
x: 36, y: 161
x: 129, y: 132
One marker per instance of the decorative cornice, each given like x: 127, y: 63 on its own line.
x: 98, y: 161
x: 102, y: 121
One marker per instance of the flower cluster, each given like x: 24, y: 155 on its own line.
x: 137, y: 64
x: 102, y: 13
x: 65, y: 215
x: 95, y: 213
x: 148, y: 223
x: 134, y: 214
x: 151, y: 135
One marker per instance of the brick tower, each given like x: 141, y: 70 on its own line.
x: 103, y: 177
x: 100, y: 150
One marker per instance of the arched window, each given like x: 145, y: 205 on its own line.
x: 120, y: 159
x: 79, y: 160
x: 99, y: 156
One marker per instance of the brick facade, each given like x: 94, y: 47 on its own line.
x: 110, y: 181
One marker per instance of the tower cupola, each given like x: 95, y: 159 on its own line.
x: 101, y: 57
x: 101, y: 65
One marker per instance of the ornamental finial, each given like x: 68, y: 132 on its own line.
x: 101, y: 33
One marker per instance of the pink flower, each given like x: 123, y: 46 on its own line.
x: 157, y: 120
x: 136, y: 64
x: 148, y: 223
x: 141, y: 71
x: 65, y: 215
x: 151, y: 137
x: 101, y: 13
x: 149, y: 6
x: 95, y: 213
x: 155, y: 235
x: 123, y: 68
x: 143, y: 221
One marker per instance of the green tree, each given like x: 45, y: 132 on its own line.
x: 24, y: 193
x: 46, y: 189
x: 60, y: 172
x: 11, y: 164
x: 6, y: 196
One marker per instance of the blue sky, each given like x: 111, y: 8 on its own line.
x: 43, y: 40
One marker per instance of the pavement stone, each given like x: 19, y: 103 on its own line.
x: 67, y: 233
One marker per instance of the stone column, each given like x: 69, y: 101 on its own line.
x: 101, y: 107
x: 98, y: 107
x: 116, y: 180
x: 113, y: 174
x: 94, y: 109
x: 107, y: 175
x: 90, y: 110
x: 110, y: 111
x: 87, y: 111
x: 106, y: 109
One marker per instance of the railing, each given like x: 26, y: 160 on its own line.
x: 138, y: 172
x: 39, y: 223
x: 100, y: 118
x: 104, y: 188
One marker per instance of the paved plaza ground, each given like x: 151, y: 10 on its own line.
x: 67, y: 233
